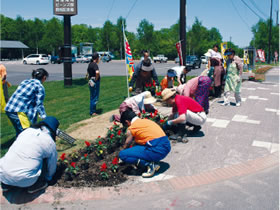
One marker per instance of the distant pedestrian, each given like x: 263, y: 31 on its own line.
x: 143, y: 75
x: 233, y: 77
x: 181, y: 73
x: 31, y: 160
x: 216, y: 69
x: 168, y: 80
x: 139, y: 103
x: 27, y: 101
x: 197, y: 88
x: 94, y: 83
x: 152, y: 145
x: 3, y: 77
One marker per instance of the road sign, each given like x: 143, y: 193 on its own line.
x: 65, y: 7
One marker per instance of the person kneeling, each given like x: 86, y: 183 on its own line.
x: 189, y: 112
x: 152, y: 145
x: 31, y: 160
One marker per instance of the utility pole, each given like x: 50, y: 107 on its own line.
x: 67, y: 51
x: 183, y: 29
x: 269, y: 38
x: 229, y: 42
x: 277, y: 17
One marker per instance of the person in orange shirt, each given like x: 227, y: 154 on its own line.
x: 152, y: 145
x: 3, y: 75
x: 168, y: 80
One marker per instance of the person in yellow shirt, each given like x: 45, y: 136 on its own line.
x: 3, y: 75
x: 152, y: 145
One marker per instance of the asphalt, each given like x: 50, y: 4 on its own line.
x: 16, y: 71
x: 233, y: 163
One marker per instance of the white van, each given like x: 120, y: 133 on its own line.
x: 36, y: 59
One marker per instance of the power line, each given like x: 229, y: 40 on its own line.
x: 240, y: 15
x: 254, y: 4
x: 251, y: 9
x: 131, y: 9
x: 110, y: 9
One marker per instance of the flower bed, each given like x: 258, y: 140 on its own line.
x: 263, y: 70
x: 97, y: 163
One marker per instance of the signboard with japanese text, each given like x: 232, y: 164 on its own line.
x: 65, y: 7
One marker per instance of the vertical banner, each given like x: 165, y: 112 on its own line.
x: 179, y: 50
x: 223, y: 49
x: 261, y: 55
x: 275, y: 56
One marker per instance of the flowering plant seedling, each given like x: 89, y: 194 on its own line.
x: 115, y: 163
x: 85, y: 158
x: 99, y: 147
x: 74, y: 155
x: 72, y: 168
x: 63, y: 159
x: 103, y: 173
x: 89, y: 146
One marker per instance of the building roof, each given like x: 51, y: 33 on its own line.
x: 12, y: 44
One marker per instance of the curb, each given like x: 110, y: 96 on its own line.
x: 58, y: 195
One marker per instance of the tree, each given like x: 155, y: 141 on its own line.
x: 145, y: 35
x: 261, y: 34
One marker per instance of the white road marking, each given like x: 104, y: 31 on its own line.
x: 257, y: 98
x: 275, y: 94
x: 273, y: 110
x: 262, y: 88
x: 159, y: 177
x: 271, y: 147
x: 248, y: 88
x: 211, y: 119
x: 220, y: 123
x: 244, y: 118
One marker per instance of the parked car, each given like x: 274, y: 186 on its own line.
x: 55, y: 59
x: 193, y: 61
x: 87, y: 57
x: 81, y: 59
x: 160, y: 59
x: 204, y: 59
x: 106, y: 58
x: 36, y: 59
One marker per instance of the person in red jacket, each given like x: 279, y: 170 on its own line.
x: 185, y: 111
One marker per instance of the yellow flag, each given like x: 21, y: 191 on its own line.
x: 2, y: 98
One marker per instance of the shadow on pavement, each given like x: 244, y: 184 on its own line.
x: 20, y: 195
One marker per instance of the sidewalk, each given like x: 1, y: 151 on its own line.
x: 235, y: 142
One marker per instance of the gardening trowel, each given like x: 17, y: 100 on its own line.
x: 64, y: 136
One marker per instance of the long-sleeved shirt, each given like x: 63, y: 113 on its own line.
x: 137, y: 72
x: 28, y: 98
x: 190, y: 87
x: 238, y: 63
x: 21, y: 165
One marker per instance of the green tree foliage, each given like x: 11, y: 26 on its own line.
x: 261, y: 35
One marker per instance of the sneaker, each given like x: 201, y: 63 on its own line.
x: 39, y: 185
x: 238, y: 104
x: 225, y: 104
x: 183, y: 139
x: 5, y: 187
x: 152, y: 168
x: 173, y: 137
x: 196, y: 128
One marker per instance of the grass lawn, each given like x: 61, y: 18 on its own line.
x: 71, y: 105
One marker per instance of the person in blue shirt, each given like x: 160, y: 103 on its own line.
x: 27, y: 101
x: 31, y: 160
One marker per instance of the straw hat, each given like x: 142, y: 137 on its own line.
x: 167, y: 93
x: 149, y: 99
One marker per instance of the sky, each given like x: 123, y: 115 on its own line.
x: 231, y: 17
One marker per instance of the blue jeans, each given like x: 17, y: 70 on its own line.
x: 94, y: 95
x: 13, y: 116
x: 152, y: 151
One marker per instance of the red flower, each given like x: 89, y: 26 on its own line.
x: 161, y: 121
x: 85, y: 155
x: 100, y: 142
x: 158, y: 93
x: 151, y: 115
x: 130, y: 146
x: 139, y: 114
x: 99, y: 137
x: 62, y: 157
x: 115, y: 161
x: 111, y: 128
x: 154, y: 83
x: 156, y: 112
x: 87, y: 143
x: 103, y: 167
x: 115, y: 123
x: 143, y: 111
x: 147, y: 85
x: 112, y: 135
x: 150, y: 85
x: 119, y: 132
x: 73, y: 164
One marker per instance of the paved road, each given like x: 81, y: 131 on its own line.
x: 18, y: 72
x: 231, y: 164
